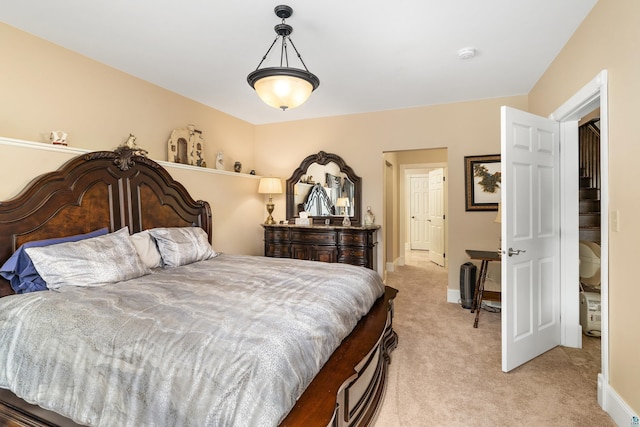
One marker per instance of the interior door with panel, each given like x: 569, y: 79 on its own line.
x: 419, y: 189
x: 436, y: 216
x: 530, y: 236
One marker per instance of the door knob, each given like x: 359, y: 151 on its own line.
x: 515, y: 252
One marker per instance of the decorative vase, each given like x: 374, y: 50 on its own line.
x: 237, y: 166
x: 369, y: 218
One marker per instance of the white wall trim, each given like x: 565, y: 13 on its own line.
x: 42, y: 146
x: 571, y: 331
x: 453, y: 296
x: 593, y: 95
x: 78, y: 151
x: 615, y: 406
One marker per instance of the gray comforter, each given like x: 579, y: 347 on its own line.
x: 231, y: 341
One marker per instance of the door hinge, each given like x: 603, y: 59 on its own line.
x: 444, y: 217
x: 444, y: 255
x: 444, y: 178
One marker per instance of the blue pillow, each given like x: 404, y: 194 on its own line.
x: 19, y: 269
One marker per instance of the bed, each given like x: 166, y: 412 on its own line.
x: 124, y: 190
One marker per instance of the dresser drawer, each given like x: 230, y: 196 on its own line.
x: 344, y: 253
x: 277, y: 251
x: 321, y: 237
x: 352, y: 238
x: 275, y: 234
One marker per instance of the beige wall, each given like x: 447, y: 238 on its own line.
x: 391, y: 209
x: 45, y: 87
x: 467, y: 128
x: 608, y: 39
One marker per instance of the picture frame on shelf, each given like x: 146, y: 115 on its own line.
x: 483, y: 179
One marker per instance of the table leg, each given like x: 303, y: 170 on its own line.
x: 477, y: 300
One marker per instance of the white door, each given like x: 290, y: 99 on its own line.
x: 419, y: 185
x: 530, y: 236
x: 436, y: 216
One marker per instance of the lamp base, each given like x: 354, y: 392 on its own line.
x: 270, y: 207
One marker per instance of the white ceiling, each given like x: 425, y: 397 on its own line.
x: 370, y: 55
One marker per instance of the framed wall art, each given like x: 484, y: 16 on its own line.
x: 483, y: 180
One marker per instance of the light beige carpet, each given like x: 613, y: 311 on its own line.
x: 446, y: 373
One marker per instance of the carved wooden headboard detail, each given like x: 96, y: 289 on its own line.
x: 99, y: 189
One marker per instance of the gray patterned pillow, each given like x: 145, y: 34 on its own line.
x: 182, y: 245
x: 146, y: 247
x: 92, y: 262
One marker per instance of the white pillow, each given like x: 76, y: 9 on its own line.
x: 92, y: 262
x: 147, y: 250
x: 182, y: 245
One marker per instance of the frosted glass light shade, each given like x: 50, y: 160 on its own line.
x: 284, y: 92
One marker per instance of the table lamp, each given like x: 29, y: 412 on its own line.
x: 344, y: 203
x: 270, y: 186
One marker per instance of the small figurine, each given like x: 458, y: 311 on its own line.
x: 131, y: 143
x: 58, y: 137
x: 220, y: 160
x: 186, y: 146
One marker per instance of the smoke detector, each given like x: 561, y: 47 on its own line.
x: 466, y: 53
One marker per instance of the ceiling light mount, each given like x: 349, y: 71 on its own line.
x: 283, y: 11
x: 283, y: 87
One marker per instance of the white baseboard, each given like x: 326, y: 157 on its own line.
x: 612, y: 404
x: 391, y: 267
x: 453, y: 295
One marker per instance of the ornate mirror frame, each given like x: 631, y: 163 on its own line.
x: 323, y: 159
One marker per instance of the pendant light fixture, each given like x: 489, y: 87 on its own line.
x: 283, y: 87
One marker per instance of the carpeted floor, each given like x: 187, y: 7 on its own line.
x: 446, y: 373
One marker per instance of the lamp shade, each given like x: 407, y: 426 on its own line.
x: 343, y: 202
x: 270, y: 186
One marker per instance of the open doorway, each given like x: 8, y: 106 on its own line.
x: 591, y: 97
x: 419, y: 206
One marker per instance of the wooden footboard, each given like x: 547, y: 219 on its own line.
x: 348, y: 390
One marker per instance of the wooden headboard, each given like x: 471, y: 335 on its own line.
x: 100, y: 189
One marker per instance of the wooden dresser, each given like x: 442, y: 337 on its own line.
x: 327, y: 243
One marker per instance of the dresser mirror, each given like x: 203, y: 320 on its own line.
x: 317, y: 184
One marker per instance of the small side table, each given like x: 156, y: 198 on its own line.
x: 485, y: 257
